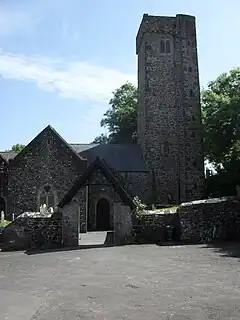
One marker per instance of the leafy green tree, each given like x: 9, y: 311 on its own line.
x: 121, y: 118
x: 102, y: 139
x: 17, y: 147
x: 221, y: 121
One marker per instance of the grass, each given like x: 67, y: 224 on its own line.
x: 4, y: 223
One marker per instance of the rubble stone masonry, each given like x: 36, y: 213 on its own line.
x: 169, y: 116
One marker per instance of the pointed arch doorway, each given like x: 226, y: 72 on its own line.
x: 103, y: 215
x: 2, y: 205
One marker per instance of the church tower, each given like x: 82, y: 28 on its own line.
x: 169, y: 114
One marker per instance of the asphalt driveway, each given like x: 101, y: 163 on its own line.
x: 131, y: 282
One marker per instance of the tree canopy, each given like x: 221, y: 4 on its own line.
x: 221, y: 122
x: 120, y: 118
x: 17, y: 147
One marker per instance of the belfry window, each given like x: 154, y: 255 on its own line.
x: 168, y: 49
x: 47, y: 197
x: 162, y: 46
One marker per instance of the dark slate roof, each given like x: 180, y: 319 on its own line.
x: 120, y: 157
x: 98, y: 164
x: 8, y: 155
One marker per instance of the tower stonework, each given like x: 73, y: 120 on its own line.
x: 169, y: 113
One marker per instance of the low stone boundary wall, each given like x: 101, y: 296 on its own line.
x: 33, y: 232
x: 151, y: 227
x: 211, y: 219
x: 194, y: 222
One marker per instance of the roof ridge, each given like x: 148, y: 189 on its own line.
x: 85, y: 144
x: 9, y: 151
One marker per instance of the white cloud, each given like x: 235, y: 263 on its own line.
x: 76, y: 80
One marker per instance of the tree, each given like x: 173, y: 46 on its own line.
x: 121, y: 118
x: 102, y: 139
x: 17, y: 147
x: 221, y: 122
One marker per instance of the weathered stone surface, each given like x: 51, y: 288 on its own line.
x: 122, y: 224
x: 29, y: 232
x: 46, y: 161
x: 71, y: 223
x: 169, y: 122
x: 197, y: 221
x: 204, y: 221
x: 151, y: 227
x: 139, y: 184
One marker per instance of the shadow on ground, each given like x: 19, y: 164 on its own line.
x: 60, y: 249
x: 226, y: 249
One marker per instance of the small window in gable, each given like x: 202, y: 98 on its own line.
x: 190, y: 69
x: 168, y: 49
x: 162, y: 46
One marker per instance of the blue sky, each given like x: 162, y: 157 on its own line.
x: 61, y: 59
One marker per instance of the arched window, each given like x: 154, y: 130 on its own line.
x: 162, y: 46
x: 47, y: 197
x: 168, y: 49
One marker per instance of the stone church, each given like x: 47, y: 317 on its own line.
x: 164, y: 167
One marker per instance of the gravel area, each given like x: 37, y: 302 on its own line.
x: 129, y: 282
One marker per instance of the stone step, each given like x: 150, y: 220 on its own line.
x: 96, y: 238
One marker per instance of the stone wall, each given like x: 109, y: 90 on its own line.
x: 212, y: 219
x: 83, y: 208
x: 197, y: 222
x: 30, y: 233
x: 46, y: 161
x: 151, y: 227
x: 74, y: 217
x: 70, y: 216
x: 169, y: 119
x: 122, y: 224
x: 139, y: 184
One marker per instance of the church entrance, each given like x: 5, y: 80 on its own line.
x: 2, y: 205
x: 103, y: 215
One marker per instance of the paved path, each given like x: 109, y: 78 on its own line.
x: 131, y: 282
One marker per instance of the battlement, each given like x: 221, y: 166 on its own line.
x: 163, y: 24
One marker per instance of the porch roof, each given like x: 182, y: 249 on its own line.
x: 101, y: 165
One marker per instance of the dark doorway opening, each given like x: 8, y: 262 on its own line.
x: 103, y: 215
x: 2, y: 205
